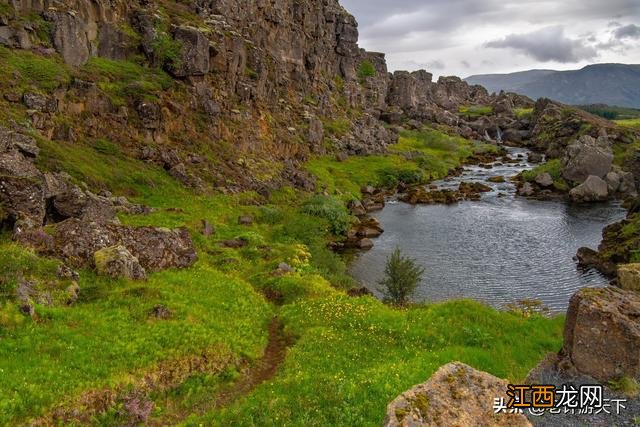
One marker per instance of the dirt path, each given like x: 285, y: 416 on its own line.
x: 251, y: 377
x: 262, y: 370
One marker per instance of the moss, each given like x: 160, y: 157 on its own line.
x: 421, y: 402
x: 552, y: 167
x: 626, y: 385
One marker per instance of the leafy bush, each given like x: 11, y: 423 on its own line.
x: 331, y: 209
x: 366, y: 69
x: 402, y: 278
x: 167, y: 50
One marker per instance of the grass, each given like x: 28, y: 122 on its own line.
x: 127, y: 80
x: 378, y: 352
x: 629, y: 123
x: 433, y: 154
x: 337, y: 127
x: 108, y: 336
x: 351, y: 355
x: 523, y: 113
x: 552, y: 167
x: 475, y: 111
x: 27, y: 70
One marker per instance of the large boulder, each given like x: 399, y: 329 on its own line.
x: 77, y: 241
x: 117, y: 261
x: 602, y: 333
x: 456, y: 395
x: 587, y: 157
x: 593, y: 189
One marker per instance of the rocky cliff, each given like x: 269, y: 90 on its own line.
x: 255, y: 88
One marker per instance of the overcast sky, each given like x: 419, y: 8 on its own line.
x: 464, y: 37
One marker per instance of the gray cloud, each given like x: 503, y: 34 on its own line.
x: 453, y: 31
x: 630, y: 31
x: 546, y: 45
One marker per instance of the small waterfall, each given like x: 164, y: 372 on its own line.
x: 499, y: 135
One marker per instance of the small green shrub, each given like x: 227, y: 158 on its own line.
x: 167, y: 50
x: 331, y: 209
x: 365, y: 70
x: 402, y: 277
x: 393, y: 176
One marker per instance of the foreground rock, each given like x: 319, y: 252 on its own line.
x: 456, y: 395
x: 602, y: 333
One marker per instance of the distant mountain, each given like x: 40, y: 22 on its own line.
x: 611, y: 84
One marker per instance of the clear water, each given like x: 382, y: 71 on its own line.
x: 500, y: 249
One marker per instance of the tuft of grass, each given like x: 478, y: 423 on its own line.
x: 126, y: 80
x: 523, y: 113
x: 475, y: 111
x: 552, y: 167
x: 626, y: 385
x: 32, y: 71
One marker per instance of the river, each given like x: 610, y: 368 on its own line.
x: 500, y: 249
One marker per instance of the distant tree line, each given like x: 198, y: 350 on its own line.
x: 610, y: 112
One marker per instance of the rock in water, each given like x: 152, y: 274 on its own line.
x: 586, y: 157
x: 456, y: 395
x: 116, y: 262
x: 594, y: 189
x: 602, y: 333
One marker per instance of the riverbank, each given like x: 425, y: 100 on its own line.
x: 499, y: 249
x: 90, y: 356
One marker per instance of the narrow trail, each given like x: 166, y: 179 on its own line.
x: 251, y: 377
x: 263, y: 370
